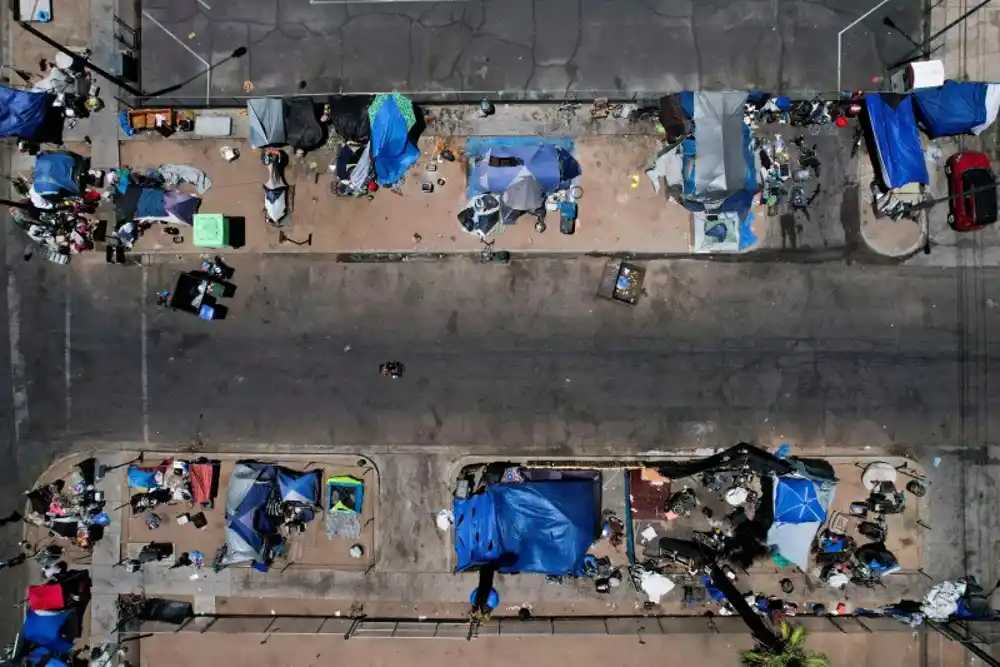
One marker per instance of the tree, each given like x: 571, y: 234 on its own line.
x: 792, y: 653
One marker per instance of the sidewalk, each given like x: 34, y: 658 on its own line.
x: 619, y: 212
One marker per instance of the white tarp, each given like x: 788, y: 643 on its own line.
x: 267, y: 121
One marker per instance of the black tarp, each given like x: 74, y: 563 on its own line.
x: 166, y: 611
x: 302, y: 128
x: 349, y: 116
x: 674, y: 120
x: 759, y: 460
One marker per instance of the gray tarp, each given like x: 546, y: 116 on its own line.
x: 525, y: 193
x: 720, y: 158
x: 267, y: 121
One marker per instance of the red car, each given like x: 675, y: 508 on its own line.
x: 973, y: 192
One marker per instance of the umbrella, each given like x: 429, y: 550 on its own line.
x: 525, y: 193
x: 403, y: 103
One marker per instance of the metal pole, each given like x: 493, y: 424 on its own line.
x: 77, y: 58
x: 923, y: 47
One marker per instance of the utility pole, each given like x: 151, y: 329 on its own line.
x: 78, y: 59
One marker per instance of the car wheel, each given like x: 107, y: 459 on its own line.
x: 947, y: 170
x: 951, y: 219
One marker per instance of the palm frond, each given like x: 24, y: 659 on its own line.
x: 796, y: 637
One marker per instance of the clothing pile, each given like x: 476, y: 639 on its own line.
x: 73, y: 511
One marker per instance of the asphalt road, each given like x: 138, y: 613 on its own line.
x: 517, y: 49
x: 501, y: 358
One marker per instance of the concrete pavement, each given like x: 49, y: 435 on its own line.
x: 516, y: 49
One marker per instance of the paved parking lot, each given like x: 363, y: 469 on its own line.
x: 522, y: 49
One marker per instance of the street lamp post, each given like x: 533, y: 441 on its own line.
x: 77, y: 58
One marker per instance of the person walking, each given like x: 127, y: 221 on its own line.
x: 392, y: 369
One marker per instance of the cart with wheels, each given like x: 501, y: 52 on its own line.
x: 621, y: 282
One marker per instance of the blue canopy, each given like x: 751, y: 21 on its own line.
x: 899, y: 155
x: 796, y: 500
x: 542, y: 160
x: 954, y: 108
x: 56, y: 174
x: 22, y: 112
x: 539, y: 527
x: 391, y: 148
x: 299, y: 487
x: 45, y: 629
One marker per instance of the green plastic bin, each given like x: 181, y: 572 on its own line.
x: 211, y: 230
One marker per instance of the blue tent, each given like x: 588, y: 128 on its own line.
x: 899, y: 156
x: 796, y: 500
x: 22, y: 112
x: 56, y: 173
x: 299, y: 487
x: 539, y: 527
x: 392, y: 151
x: 957, y: 107
x: 45, y: 629
x: 248, y: 527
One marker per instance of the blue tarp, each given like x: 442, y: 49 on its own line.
x: 54, y: 174
x: 539, y: 151
x: 299, y: 487
x: 151, y: 204
x: 22, y: 112
x: 140, y: 478
x: 899, y: 155
x: 539, y: 527
x: 391, y: 148
x: 954, y: 108
x: 45, y: 629
x: 796, y: 500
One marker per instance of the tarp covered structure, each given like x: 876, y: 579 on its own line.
x: 302, y: 129
x: 539, y: 527
x: 202, y: 481
x: 800, y: 504
x: 299, y: 487
x: 717, y: 170
x: 248, y: 527
x: 58, y: 173
x: 180, y: 206
x: 266, y: 116
x: 22, y: 113
x: 391, y: 117
x: 892, y: 126
x: 957, y: 107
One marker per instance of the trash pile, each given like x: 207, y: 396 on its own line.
x: 169, y: 483
x: 841, y: 560
x: 58, y: 205
x: 726, y: 153
x: 72, y: 510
